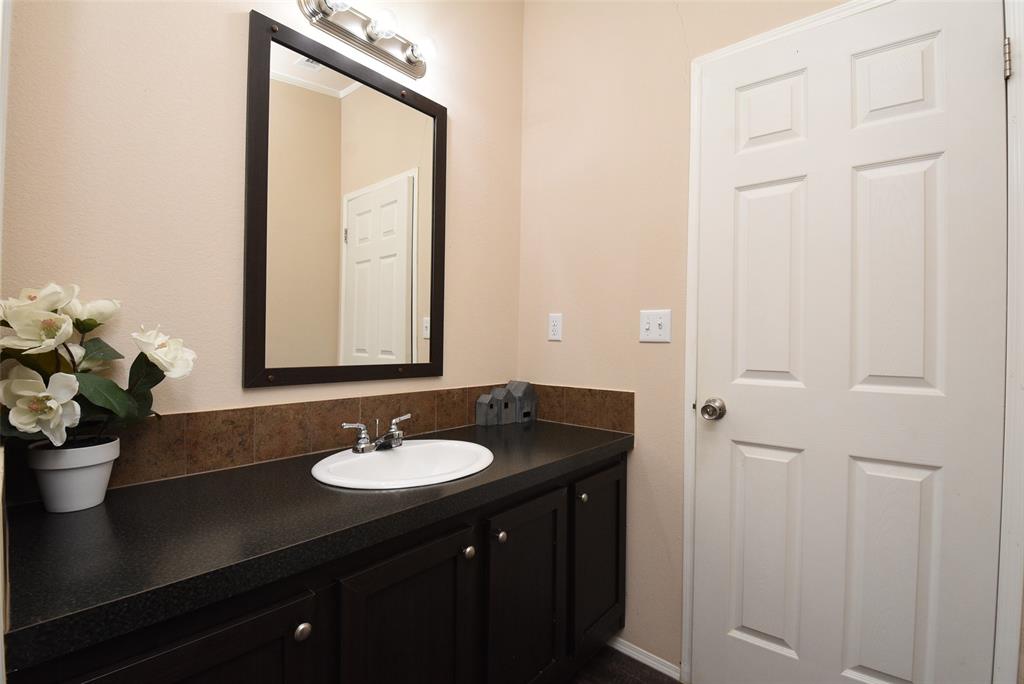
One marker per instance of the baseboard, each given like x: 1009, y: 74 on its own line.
x: 645, y: 657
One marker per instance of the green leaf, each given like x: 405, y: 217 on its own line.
x: 142, y: 378
x: 106, y: 394
x: 91, y: 413
x: 98, y: 350
x: 45, y: 364
x: 86, y: 325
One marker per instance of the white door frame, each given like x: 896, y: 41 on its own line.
x: 1011, y: 538
x: 413, y: 173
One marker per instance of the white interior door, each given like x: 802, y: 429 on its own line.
x: 376, y: 274
x: 852, y: 277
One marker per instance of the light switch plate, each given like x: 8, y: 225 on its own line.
x: 656, y: 325
x: 554, y: 327
x: 426, y: 327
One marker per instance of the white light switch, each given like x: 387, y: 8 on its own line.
x: 656, y: 325
x: 426, y: 327
x: 555, y: 327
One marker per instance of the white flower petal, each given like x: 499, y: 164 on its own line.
x: 72, y: 413
x: 15, y: 342
x: 23, y: 420
x: 63, y: 387
x: 54, y: 432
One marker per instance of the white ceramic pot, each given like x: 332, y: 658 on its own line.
x: 73, y: 478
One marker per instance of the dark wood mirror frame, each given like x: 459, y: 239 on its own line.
x: 264, y: 31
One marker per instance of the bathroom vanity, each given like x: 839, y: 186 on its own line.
x: 262, y: 574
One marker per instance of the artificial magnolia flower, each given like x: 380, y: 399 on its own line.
x: 167, y: 354
x: 78, y: 360
x: 48, y: 298
x: 99, y: 310
x: 36, y: 407
x: 36, y: 331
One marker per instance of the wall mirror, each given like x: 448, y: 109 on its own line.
x: 344, y: 224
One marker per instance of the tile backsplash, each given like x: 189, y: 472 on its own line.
x: 192, y: 443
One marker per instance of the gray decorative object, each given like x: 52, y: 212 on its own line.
x: 514, y: 403
x: 486, y: 410
x: 506, y: 405
x: 524, y: 399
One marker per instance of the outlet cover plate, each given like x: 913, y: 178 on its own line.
x: 656, y: 325
x: 554, y: 327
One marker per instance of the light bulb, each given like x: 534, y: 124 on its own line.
x: 413, y: 54
x: 427, y: 49
x: 338, y: 5
x: 383, y: 24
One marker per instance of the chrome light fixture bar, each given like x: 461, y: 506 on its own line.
x: 366, y: 34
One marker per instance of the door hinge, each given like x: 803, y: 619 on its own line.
x: 345, y: 237
x: 1007, y: 59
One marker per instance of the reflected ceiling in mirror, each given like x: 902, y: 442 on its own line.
x: 348, y: 220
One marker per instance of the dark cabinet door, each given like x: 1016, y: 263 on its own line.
x: 262, y: 648
x: 413, y: 619
x: 527, y: 591
x: 598, y: 558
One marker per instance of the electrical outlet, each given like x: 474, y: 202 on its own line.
x: 555, y: 327
x: 426, y: 327
x: 656, y: 325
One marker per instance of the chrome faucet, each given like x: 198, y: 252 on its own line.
x: 389, y: 440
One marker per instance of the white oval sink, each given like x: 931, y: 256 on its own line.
x: 414, y: 464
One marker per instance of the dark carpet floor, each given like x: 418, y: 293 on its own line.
x: 611, y: 667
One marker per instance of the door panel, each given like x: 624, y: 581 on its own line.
x: 852, y: 317
x: 376, y: 282
x: 527, y: 625
x: 413, y: 619
x: 598, y: 558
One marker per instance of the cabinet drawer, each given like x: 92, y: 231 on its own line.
x: 260, y: 648
x: 598, y: 557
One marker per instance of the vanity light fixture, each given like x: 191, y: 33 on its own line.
x: 375, y: 34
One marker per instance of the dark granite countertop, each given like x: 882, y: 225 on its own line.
x: 154, y: 551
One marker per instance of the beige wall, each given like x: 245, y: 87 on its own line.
x: 125, y: 174
x: 605, y: 157
x: 382, y: 138
x: 303, y: 227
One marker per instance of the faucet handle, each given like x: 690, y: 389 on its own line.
x: 399, y: 419
x: 364, y: 436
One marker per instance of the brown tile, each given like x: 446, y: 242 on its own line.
x: 472, y: 394
x: 423, y: 407
x: 550, y: 403
x: 377, y: 411
x: 325, y: 419
x: 606, y: 409
x: 451, y: 408
x: 218, y: 439
x: 151, y: 450
x: 280, y: 431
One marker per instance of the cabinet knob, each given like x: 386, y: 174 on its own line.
x: 502, y: 536
x: 303, y: 631
x: 584, y: 497
x: 469, y: 553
